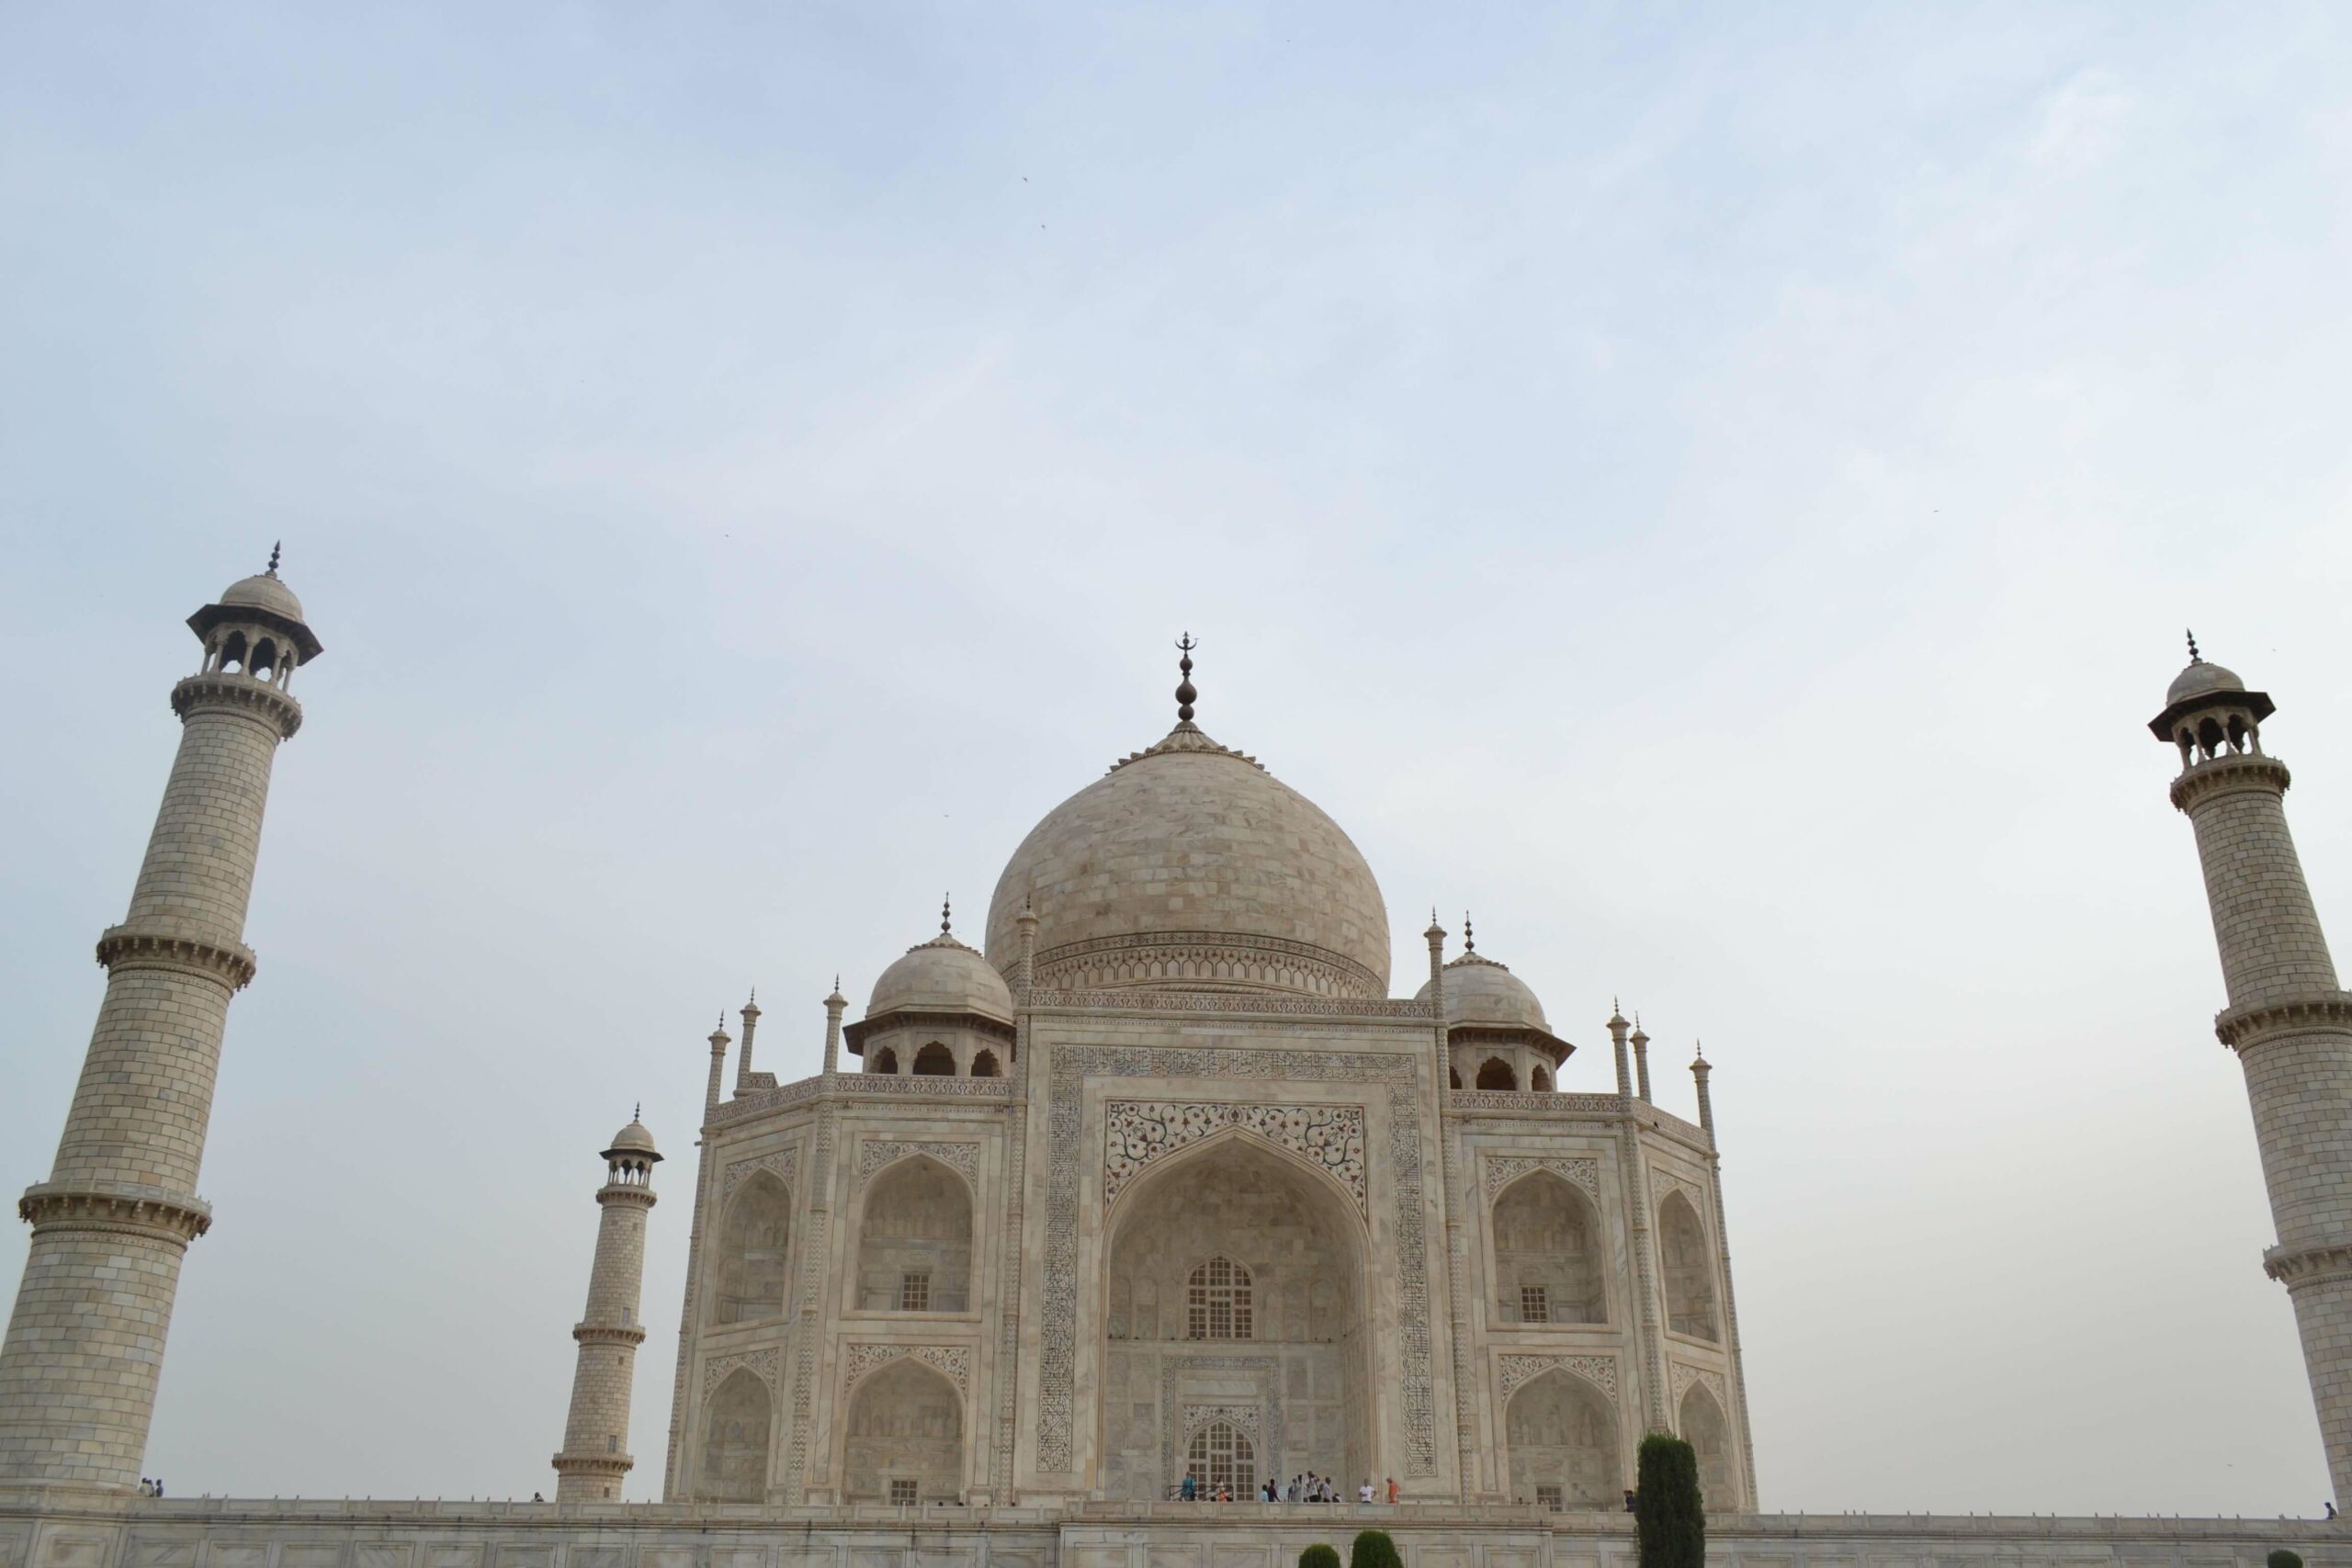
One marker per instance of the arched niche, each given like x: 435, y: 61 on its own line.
x: 1547, y: 1253
x: 735, y: 1432
x: 1230, y: 1221
x: 914, y: 1240
x: 1689, y: 1270
x: 755, y: 1252
x: 984, y: 1066
x: 883, y: 1061
x: 906, y: 1425
x: 1563, y: 1439
x: 1221, y: 1454
x: 1540, y: 1077
x: 1709, y: 1434
x: 934, y: 1061
x: 1496, y: 1073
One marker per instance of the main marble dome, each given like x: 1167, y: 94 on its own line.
x: 1190, y: 867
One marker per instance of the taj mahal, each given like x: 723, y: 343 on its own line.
x: 1162, y: 1177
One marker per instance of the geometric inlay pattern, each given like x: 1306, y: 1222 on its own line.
x: 1136, y: 1132
x: 762, y: 1364
x: 963, y: 1158
x: 1501, y: 1170
x: 1598, y: 1370
x: 781, y: 1163
x: 955, y: 1361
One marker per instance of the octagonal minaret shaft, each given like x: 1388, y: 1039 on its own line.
x: 84, y: 1347
x: 595, y: 1433
x: 2290, y: 1025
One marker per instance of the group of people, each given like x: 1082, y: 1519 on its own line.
x: 1308, y: 1488
x: 150, y: 1487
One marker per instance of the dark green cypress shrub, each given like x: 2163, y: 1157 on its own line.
x: 2282, y: 1558
x: 1319, y: 1557
x: 1375, y: 1550
x: 1667, y: 1509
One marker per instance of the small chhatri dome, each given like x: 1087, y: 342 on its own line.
x: 633, y: 1139
x: 1480, y: 992
x: 942, y: 975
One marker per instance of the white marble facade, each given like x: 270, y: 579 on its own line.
x: 1167, y: 1181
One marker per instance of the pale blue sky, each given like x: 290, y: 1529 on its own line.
x: 1716, y: 490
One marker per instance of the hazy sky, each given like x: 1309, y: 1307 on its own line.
x: 1716, y: 492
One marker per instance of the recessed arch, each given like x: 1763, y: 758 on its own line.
x: 934, y: 1061
x: 1709, y: 1434
x: 736, y: 1427
x: 1547, y: 1237
x: 883, y: 1061
x: 755, y: 1252
x: 1539, y: 1078
x: 1496, y: 1073
x: 984, y: 1064
x: 1299, y: 1387
x: 1689, y: 1270
x: 915, y: 1243
x: 906, y: 1424
x: 1562, y: 1434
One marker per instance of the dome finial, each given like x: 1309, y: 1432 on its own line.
x: 1184, y: 693
x: 638, y: 1114
x: 945, y: 917
x: 1469, y: 938
x: 2194, y: 657
x: 275, y: 547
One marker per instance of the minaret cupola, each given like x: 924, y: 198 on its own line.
x: 2208, y: 712
x: 256, y: 628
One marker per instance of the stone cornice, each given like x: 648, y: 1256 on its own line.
x: 231, y: 964
x: 2228, y: 775
x: 2308, y: 1265
x: 129, y: 1210
x: 595, y: 1465
x: 855, y: 1034
x: 1179, y: 959
x: 1141, y: 1000
x: 631, y: 1335
x: 239, y: 695
x: 617, y: 1192
x: 2240, y: 1028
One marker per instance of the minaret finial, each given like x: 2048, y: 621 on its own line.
x: 1469, y: 939
x: 945, y: 917
x: 1184, y: 693
x: 2194, y: 657
x: 275, y: 547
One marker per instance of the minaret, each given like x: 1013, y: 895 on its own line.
x: 110, y: 1225
x: 609, y: 1331
x: 2287, y: 1021
x: 1641, y: 1043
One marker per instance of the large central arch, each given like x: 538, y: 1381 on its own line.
x: 1235, y: 1294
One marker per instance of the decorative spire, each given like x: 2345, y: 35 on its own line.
x: 1184, y: 693
x: 2194, y: 657
x: 944, y: 916
x: 638, y: 1114
x: 274, y: 548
